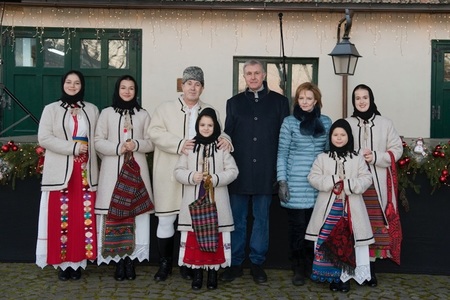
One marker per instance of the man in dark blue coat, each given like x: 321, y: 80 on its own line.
x: 253, y: 122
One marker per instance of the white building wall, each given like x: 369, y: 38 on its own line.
x: 396, y: 50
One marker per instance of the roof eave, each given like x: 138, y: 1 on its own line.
x: 247, y: 6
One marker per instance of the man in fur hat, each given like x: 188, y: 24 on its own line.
x: 171, y: 130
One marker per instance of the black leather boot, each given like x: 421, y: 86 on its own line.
x: 119, y: 274
x: 130, y: 273
x: 373, y: 282
x: 186, y: 273
x: 299, y: 274
x: 211, y: 283
x: 165, y: 250
x: 298, y: 267
x: 63, y: 275
x: 75, y: 274
x: 344, y: 286
x: 197, y: 281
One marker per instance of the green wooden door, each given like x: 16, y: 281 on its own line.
x: 35, y: 59
x: 440, y: 90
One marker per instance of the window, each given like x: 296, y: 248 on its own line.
x: 298, y: 70
x: 25, y: 52
x: 54, y: 53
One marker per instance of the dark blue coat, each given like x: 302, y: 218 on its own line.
x: 254, y: 127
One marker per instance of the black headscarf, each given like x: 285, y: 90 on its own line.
x: 71, y: 100
x: 348, y: 149
x: 372, y: 107
x: 310, y: 123
x: 201, y: 140
x: 119, y: 104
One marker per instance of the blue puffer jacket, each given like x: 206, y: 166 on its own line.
x: 296, y: 154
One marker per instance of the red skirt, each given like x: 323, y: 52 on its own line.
x: 194, y: 256
x: 71, y: 221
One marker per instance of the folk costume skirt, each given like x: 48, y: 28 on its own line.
x: 141, y: 240
x: 324, y: 270
x: 380, y: 249
x: 67, y: 225
x: 191, y: 256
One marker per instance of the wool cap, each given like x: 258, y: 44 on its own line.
x: 193, y: 73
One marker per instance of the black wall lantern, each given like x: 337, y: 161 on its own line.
x: 344, y: 55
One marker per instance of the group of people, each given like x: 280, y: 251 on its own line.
x: 319, y: 169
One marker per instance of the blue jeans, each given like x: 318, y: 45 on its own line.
x: 259, y: 240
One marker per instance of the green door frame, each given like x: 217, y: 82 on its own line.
x: 39, y: 83
x: 440, y: 89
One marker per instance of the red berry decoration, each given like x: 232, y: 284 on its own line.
x: 407, y: 159
x: 445, y: 172
x: 438, y: 147
x: 5, y: 148
x: 442, y: 154
x: 402, y: 163
x: 11, y: 143
x: 40, y: 150
x: 443, y: 179
x: 14, y: 148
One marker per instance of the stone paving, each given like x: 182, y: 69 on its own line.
x: 27, y: 281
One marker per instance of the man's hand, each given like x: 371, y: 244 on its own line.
x: 224, y: 144
x: 188, y: 145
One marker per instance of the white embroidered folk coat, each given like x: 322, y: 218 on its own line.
x: 380, y: 136
x: 223, y: 170
x: 169, y: 130
x: 323, y: 176
x: 109, y: 138
x: 55, y: 135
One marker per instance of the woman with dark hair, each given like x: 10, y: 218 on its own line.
x: 303, y: 136
x: 341, y: 176
x: 67, y: 229
x: 122, y: 129
x: 375, y: 136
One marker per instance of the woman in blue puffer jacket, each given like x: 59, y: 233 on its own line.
x: 303, y: 136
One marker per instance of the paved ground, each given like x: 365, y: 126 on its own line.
x: 27, y: 281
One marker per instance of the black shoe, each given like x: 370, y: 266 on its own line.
x: 130, y: 273
x: 334, y: 286
x: 197, y: 281
x: 119, y: 274
x: 75, y: 274
x: 344, y: 286
x: 186, y: 273
x: 259, y: 276
x: 211, y: 283
x: 231, y: 273
x: 165, y: 269
x: 299, y: 276
x: 373, y: 282
x: 63, y: 275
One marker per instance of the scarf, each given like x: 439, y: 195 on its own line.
x: 310, y: 123
x: 347, y: 149
x: 366, y: 115
x: 212, y: 139
x: 123, y: 107
x: 71, y: 100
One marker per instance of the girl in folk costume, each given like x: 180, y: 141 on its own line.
x: 67, y: 227
x: 122, y: 128
x: 206, y: 169
x: 341, y: 176
x: 376, y: 140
